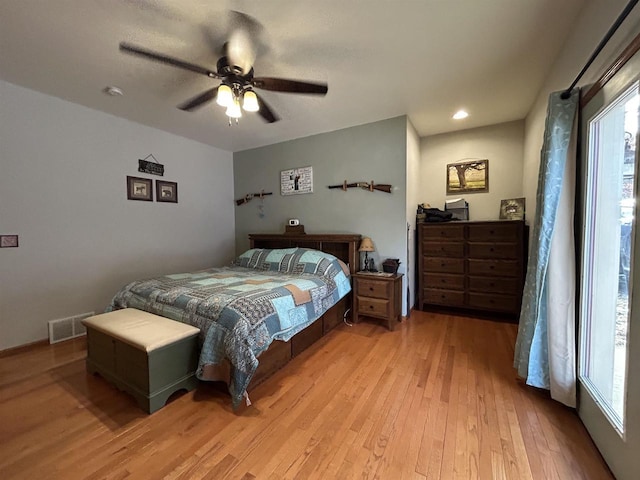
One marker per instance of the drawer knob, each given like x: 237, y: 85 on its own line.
x: 491, y: 249
x: 371, y: 289
x: 491, y: 267
x: 371, y: 307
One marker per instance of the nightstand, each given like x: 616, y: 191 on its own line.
x: 377, y: 296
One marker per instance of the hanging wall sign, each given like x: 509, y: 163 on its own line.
x: 145, y: 166
x: 296, y: 181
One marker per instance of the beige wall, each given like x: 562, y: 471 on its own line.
x: 413, y: 194
x: 501, y: 144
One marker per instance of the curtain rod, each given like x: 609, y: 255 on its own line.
x: 625, y: 13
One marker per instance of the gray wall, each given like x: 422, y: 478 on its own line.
x: 501, y: 144
x: 63, y: 172
x: 375, y: 151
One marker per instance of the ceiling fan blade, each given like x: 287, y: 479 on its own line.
x: 265, y: 111
x: 244, y: 39
x: 159, y: 57
x: 291, y: 86
x: 200, y: 100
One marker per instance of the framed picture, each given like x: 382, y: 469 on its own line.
x: 166, y: 191
x: 139, y: 189
x: 470, y: 177
x: 512, y: 209
x: 296, y: 181
x: 7, y: 241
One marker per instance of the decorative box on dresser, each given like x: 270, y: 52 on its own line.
x: 477, y: 266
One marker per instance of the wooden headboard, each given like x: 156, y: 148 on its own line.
x: 342, y: 246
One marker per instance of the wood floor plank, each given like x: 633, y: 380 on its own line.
x: 435, y: 399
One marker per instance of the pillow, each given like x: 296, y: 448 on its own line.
x: 289, y: 260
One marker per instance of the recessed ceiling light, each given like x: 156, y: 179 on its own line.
x: 113, y: 91
x: 460, y: 114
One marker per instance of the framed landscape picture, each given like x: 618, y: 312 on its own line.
x: 139, y: 189
x: 470, y: 176
x: 166, y: 191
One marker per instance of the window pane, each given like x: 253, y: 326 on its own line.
x: 607, y: 260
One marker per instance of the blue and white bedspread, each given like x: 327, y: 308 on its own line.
x: 264, y: 295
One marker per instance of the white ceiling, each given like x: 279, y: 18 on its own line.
x: 380, y: 58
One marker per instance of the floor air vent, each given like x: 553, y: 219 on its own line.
x: 66, y: 328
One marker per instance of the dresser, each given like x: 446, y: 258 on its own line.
x: 477, y: 266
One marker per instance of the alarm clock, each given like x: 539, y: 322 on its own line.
x: 293, y: 222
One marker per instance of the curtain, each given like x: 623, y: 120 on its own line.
x: 545, y: 347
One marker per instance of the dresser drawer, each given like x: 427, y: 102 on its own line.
x: 444, y: 280
x: 444, y: 297
x: 502, y: 285
x: 497, y: 303
x: 493, y: 250
x: 443, y: 264
x: 375, y: 307
x: 498, y: 268
x: 372, y: 288
x: 494, y: 232
x: 443, y: 249
x: 446, y: 232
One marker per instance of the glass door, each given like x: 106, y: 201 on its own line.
x: 608, y: 385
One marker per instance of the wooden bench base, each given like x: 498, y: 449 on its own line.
x: 151, y: 377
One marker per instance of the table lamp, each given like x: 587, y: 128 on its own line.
x: 366, y: 246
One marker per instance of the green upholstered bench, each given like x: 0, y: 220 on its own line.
x: 145, y: 355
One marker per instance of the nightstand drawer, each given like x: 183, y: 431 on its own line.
x: 444, y: 280
x: 444, y: 297
x: 443, y: 249
x: 493, y: 250
x: 443, y: 264
x: 372, y: 288
x: 373, y: 306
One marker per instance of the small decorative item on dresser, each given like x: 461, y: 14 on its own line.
x: 390, y: 265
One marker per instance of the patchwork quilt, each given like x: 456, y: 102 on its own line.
x: 264, y: 295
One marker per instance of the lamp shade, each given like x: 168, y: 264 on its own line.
x: 225, y: 96
x: 366, y: 245
x: 233, y: 110
x: 250, y: 101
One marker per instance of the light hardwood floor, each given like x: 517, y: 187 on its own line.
x: 438, y: 399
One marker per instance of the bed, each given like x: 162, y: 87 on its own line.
x: 275, y: 300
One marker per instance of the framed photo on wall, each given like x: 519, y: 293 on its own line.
x: 139, y: 189
x: 296, y: 181
x: 472, y: 176
x: 166, y: 191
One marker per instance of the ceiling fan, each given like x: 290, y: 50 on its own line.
x: 235, y: 72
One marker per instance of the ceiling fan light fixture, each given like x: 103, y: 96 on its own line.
x: 250, y: 101
x: 233, y: 110
x: 225, y: 96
